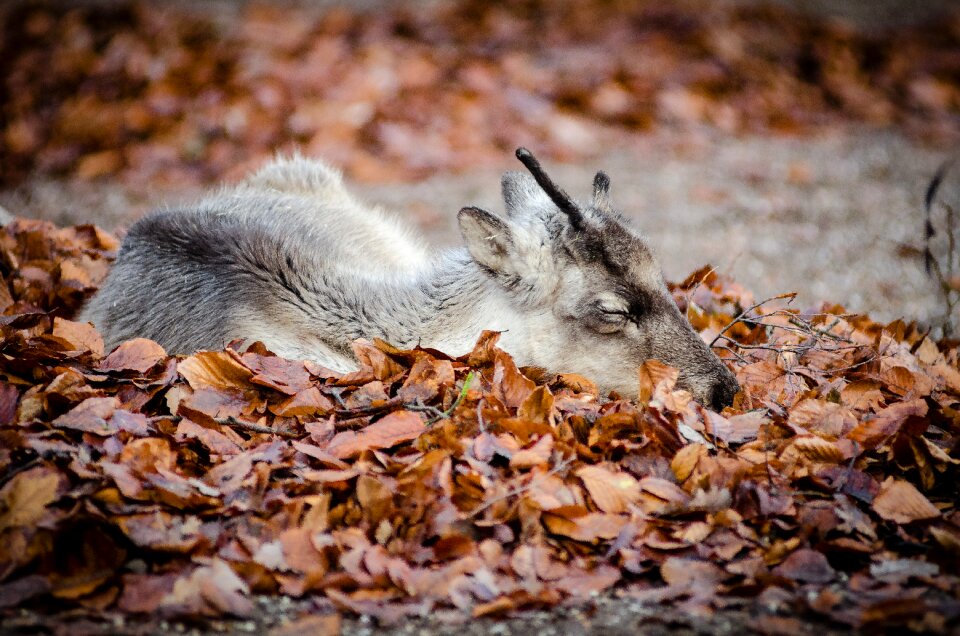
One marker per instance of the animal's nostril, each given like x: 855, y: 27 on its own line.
x: 723, y: 393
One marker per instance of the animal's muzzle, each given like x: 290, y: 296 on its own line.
x: 723, y: 391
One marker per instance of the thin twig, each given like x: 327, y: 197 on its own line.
x: 790, y: 296
x: 232, y: 422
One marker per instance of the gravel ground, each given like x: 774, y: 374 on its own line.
x: 835, y: 217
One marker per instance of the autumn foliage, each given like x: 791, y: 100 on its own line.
x: 147, y: 93
x: 136, y: 483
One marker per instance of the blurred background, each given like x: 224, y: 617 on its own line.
x: 788, y: 143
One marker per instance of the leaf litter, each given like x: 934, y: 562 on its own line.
x: 133, y: 483
x: 163, y: 94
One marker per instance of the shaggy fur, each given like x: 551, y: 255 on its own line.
x: 290, y: 258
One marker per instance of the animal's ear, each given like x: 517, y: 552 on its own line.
x: 488, y: 237
x: 601, y: 191
x: 521, y: 194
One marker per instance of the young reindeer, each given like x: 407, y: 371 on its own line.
x: 289, y: 258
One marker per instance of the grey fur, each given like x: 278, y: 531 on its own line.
x: 290, y: 258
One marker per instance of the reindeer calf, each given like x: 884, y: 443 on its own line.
x: 290, y: 258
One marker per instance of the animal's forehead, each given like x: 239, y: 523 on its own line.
x: 624, y: 253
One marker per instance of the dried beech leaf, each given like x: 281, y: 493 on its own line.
x: 612, y: 491
x: 395, y: 428
x: 81, y: 336
x: 215, y: 369
x: 590, y: 527
x: 818, y: 449
x: 138, y: 355
x: 900, y: 501
x: 23, y: 499
x: 654, y: 374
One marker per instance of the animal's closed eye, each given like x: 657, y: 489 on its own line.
x: 607, y: 316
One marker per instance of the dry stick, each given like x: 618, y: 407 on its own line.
x: 790, y: 295
x: 232, y: 422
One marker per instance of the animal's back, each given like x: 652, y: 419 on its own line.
x: 246, y: 261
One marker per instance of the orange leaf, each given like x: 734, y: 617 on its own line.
x: 215, y: 369
x: 900, y: 501
x: 81, y: 335
x: 24, y: 499
x: 871, y: 433
x: 589, y: 528
x: 612, y: 491
x: 536, y: 455
x: 653, y: 373
x: 395, y: 428
x: 138, y: 354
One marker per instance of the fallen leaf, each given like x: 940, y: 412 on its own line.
x: 395, y: 428
x: 215, y: 369
x: 24, y: 499
x: 900, y: 501
x: 138, y: 355
x: 612, y: 491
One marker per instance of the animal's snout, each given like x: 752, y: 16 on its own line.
x: 723, y: 390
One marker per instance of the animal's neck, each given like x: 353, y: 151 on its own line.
x: 445, y: 307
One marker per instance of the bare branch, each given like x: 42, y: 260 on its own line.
x: 790, y: 296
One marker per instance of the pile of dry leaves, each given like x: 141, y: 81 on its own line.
x: 132, y: 482
x: 154, y: 94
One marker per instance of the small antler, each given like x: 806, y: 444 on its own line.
x: 601, y: 191
x: 555, y: 192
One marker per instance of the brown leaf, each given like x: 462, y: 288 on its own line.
x: 143, y: 593
x: 536, y: 455
x: 215, y: 369
x: 286, y: 376
x: 215, y: 441
x: 806, y: 566
x: 384, y: 367
x: 688, y: 573
x: 588, y: 528
x: 588, y: 582
x: 208, y: 591
x: 162, y: 531
x: 686, y: 460
x: 736, y: 429
x: 612, y: 491
x: 315, y: 625
x: 81, y: 336
x: 654, y: 374
x: 395, y: 428
x: 873, y: 432
x: 138, y: 355
x: 93, y: 415
x: 818, y: 449
x: 309, y: 402
x: 901, y: 502
x: 509, y: 385
x: 537, y: 407
x: 425, y: 379
x: 24, y: 499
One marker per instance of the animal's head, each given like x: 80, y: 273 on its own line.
x: 591, y: 285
